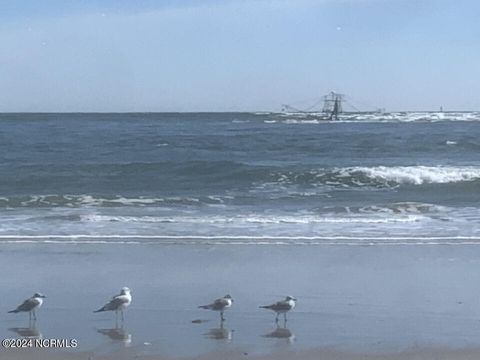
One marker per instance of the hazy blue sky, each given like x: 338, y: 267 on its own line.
x: 186, y: 55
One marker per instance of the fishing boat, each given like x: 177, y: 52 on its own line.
x: 333, y: 107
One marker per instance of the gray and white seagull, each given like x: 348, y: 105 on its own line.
x: 282, y: 307
x: 30, y: 305
x: 118, y: 303
x: 221, y: 305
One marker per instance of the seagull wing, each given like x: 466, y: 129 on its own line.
x: 114, y: 304
x: 218, y: 304
x: 279, y: 306
x: 28, y: 305
x: 283, y: 305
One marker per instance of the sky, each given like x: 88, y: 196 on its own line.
x: 237, y: 55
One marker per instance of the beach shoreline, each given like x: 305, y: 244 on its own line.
x: 354, y: 302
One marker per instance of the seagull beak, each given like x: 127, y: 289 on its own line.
x: 43, y: 296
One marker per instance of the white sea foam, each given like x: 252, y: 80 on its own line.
x: 418, y: 175
x: 116, y: 239
x: 314, y: 118
x: 253, y: 219
x: 126, y: 219
x: 369, y: 176
x: 69, y: 200
x: 408, y: 207
x: 295, y: 121
x: 120, y: 200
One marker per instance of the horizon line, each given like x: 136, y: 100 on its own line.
x: 232, y: 112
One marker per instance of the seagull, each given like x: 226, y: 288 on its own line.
x: 30, y: 305
x: 118, y: 303
x: 282, y: 307
x: 221, y: 305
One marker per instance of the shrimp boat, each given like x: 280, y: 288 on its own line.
x: 333, y: 107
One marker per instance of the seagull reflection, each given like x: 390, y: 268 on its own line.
x: 28, y: 332
x: 220, y: 333
x: 281, y: 333
x: 119, y: 334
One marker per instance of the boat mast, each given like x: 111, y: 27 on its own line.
x: 332, y: 105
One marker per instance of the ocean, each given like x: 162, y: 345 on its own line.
x: 370, y: 222
x: 240, y: 178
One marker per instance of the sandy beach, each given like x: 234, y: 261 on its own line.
x: 426, y: 354
x: 355, y: 302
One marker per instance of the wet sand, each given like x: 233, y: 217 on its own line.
x: 369, y: 302
x: 423, y: 354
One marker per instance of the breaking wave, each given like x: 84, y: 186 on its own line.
x: 412, y: 116
x: 382, y: 176
x: 418, y: 175
x: 276, y: 185
x: 254, y: 219
x: 55, y: 200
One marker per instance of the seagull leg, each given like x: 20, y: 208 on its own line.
x: 34, y: 315
x: 285, y: 318
x: 29, y: 317
x: 276, y: 319
x: 123, y: 319
x: 221, y: 316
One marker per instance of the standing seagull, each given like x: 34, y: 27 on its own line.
x: 30, y: 305
x: 118, y: 303
x: 219, y: 305
x: 282, y: 307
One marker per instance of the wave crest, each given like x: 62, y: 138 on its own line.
x: 418, y: 175
x: 381, y: 176
x: 56, y: 200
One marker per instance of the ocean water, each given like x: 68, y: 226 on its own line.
x: 240, y: 178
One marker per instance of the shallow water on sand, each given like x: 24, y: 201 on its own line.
x: 360, y: 299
